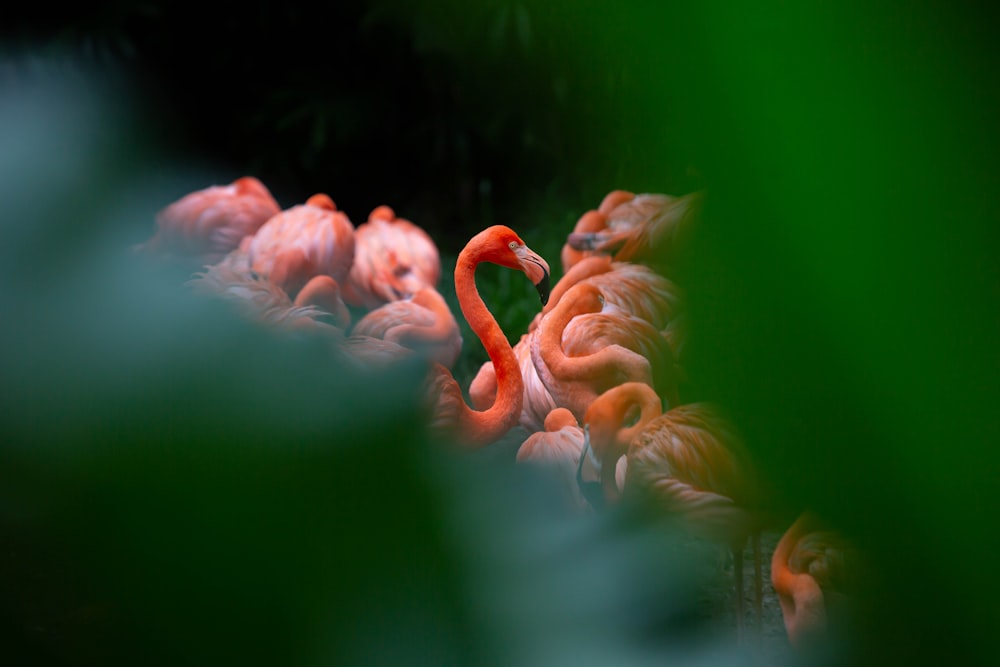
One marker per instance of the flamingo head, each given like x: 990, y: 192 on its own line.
x: 504, y: 247
x: 321, y: 200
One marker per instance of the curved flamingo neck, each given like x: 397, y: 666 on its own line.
x: 624, y: 397
x: 585, y: 268
x: 483, y: 426
x: 800, y: 596
x: 614, y: 199
x: 586, y: 299
x: 597, y: 369
x: 650, y: 407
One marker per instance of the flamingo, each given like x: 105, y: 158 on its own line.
x: 261, y: 300
x: 630, y: 287
x: 560, y: 446
x: 651, y: 229
x: 580, y: 351
x: 394, y: 259
x: 613, y: 200
x: 451, y: 416
x: 689, y: 462
x: 580, y: 337
x: 537, y: 403
x: 422, y: 322
x: 304, y: 241
x: 557, y: 448
x: 811, y: 565
x: 627, y: 287
x: 591, y: 222
x: 637, y: 289
x: 203, y: 226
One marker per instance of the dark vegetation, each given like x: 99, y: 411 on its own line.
x: 176, y: 489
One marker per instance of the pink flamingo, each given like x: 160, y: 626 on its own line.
x: 301, y: 242
x: 650, y: 228
x: 394, y: 259
x: 580, y: 351
x: 537, y: 403
x: 627, y: 288
x: 811, y: 565
x: 203, y: 226
x: 689, y: 462
x: 422, y: 322
x: 451, y: 416
x: 559, y: 446
x: 633, y: 288
x: 262, y: 301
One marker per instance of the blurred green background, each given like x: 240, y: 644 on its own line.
x: 842, y: 286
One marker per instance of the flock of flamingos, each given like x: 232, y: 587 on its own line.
x: 595, y: 380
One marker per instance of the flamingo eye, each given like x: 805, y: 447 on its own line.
x: 512, y: 245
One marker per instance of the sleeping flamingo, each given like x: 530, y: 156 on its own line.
x: 581, y: 350
x: 422, y: 322
x: 394, y: 259
x: 811, y: 565
x: 316, y: 309
x: 452, y: 417
x: 260, y: 300
x: 689, y: 462
x: 559, y: 447
x: 302, y: 242
x: 203, y: 226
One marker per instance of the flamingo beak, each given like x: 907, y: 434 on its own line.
x: 583, y: 241
x: 588, y: 473
x: 537, y: 270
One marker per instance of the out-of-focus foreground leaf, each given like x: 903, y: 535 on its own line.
x: 844, y: 286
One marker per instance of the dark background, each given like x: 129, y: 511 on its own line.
x: 440, y: 109
x: 843, y: 286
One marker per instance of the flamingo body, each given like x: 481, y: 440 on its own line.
x: 422, y: 322
x: 632, y: 288
x: 811, y: 565
x: 580, y: 351
x: 394, y: 259
x: 559, y: 447
x: 689, y: 462
x: 650, y: 228
x: 304, y: 241
x: 203, y: 226
x: 259, y: 299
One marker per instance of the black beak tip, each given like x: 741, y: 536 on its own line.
x: 543, y: 289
